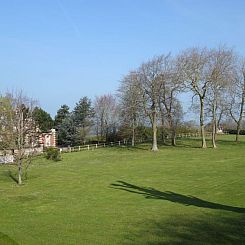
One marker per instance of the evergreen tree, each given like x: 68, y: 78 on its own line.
x: 62, y: 113
x: 82, y: 115
x: 42, y: 119
x: 61, y: 123
x: 67, y: 132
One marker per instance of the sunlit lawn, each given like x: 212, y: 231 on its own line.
x: 178, y: 195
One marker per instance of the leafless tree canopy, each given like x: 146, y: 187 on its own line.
x: 106, y: 116
x: 215, y: 77
x: 148, y: 98
x: 18, y: 129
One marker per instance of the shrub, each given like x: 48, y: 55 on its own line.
x: 53, y: 153
x: 234, y: 131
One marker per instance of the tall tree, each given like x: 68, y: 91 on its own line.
x: 62, y: 113
x: 7, y: 140
x: 25, y: 129
x: 62, y: 116
x: 22, y: 129
x: 130, y: 95
x: 193, y: 64
x: 170, y: 106
x: 237, y: 96
x: 43, y: 119
x: 106, y: 116
x: 150, y: 77
x: 68, y: 134
x: 82, y: 115
x: 220, y: 75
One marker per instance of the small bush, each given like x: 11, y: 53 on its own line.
x: 234, y: 131
x: 53, y: 153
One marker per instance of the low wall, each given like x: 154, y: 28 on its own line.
x: 8, y: 156
x: 6, y: 159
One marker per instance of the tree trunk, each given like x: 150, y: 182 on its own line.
x: 20, y: 146
x: 162, y: 126
x: 97, y: 132
x: 107, y: 134
x: 102, y: 128
x: 133, y: 134
x: 154, y: 130
x: 214, y: 136
x: 241, y: 115
x: 204, y: 145
x: 214, y: 125
x: 162, y: 131
x: 238, y: 133
x: 163, y: 136
x: 20, y: 172
x: 173, y: 129
x: 173, y: 137
x: 238, y: 129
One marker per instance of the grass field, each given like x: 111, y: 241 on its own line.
x: 181, y: 195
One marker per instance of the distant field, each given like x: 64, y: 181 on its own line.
x: 178, y: 195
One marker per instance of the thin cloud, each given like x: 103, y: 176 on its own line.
x: 69, y: 19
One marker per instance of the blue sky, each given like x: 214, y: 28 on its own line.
x: 60, y: 50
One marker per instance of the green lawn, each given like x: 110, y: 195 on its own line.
x: 123, y: 195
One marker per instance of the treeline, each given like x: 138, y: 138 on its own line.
x: 148, y: 97
x: 147, y: 103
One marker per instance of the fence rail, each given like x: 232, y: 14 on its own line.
x: 192, y: 135
x: 6, y: 156
x: 121, y: 143
x: 92, y: 146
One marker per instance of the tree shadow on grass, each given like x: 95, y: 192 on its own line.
x: 6, y: 240
x: 194, y: 143
x: 151, y: 193
x: 230, y: 142
x: 133, y: 148
x: 221, y: 228
x: 11, y: 175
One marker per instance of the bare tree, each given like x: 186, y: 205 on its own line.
x: 237, y: 96
x: 150, y: 74
x: 169, y: 105
x: 193, y: 64
x: 7, y: 140
x: 23, y: 129
x: 222, y: 109
x: 221, y: 71
x: 130, y: 95
x: 106, y: 116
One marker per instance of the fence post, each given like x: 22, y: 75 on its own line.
x: 79, y: 148
x: 119, y: 143
x: 96, y: 146
x: 88, y: 147
x: 104, y: 144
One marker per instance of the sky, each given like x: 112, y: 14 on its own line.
x: 58, y: 51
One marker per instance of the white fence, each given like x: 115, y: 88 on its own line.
x: 8, y: 155
x: 120, y: 143
x: 92, y: 146
x: 192, y: 135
